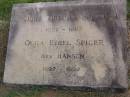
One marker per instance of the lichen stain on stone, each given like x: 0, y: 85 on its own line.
x: 100, y: 55
x: 81, y: 72
x: 97, y: 56
x: 99, y: 71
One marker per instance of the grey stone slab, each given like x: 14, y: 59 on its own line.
x: 67, y: 44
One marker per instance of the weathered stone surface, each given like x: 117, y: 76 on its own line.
x: 118, y: 5
x: 67, y: 44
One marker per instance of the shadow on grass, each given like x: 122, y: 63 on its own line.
x: 45, y: 91
x: 4, y: 29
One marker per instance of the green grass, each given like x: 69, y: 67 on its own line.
x: 128, y: 4
x: 6, y: 6
x: 39, y: 91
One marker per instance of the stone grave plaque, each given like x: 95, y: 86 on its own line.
x: 66, y: 44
